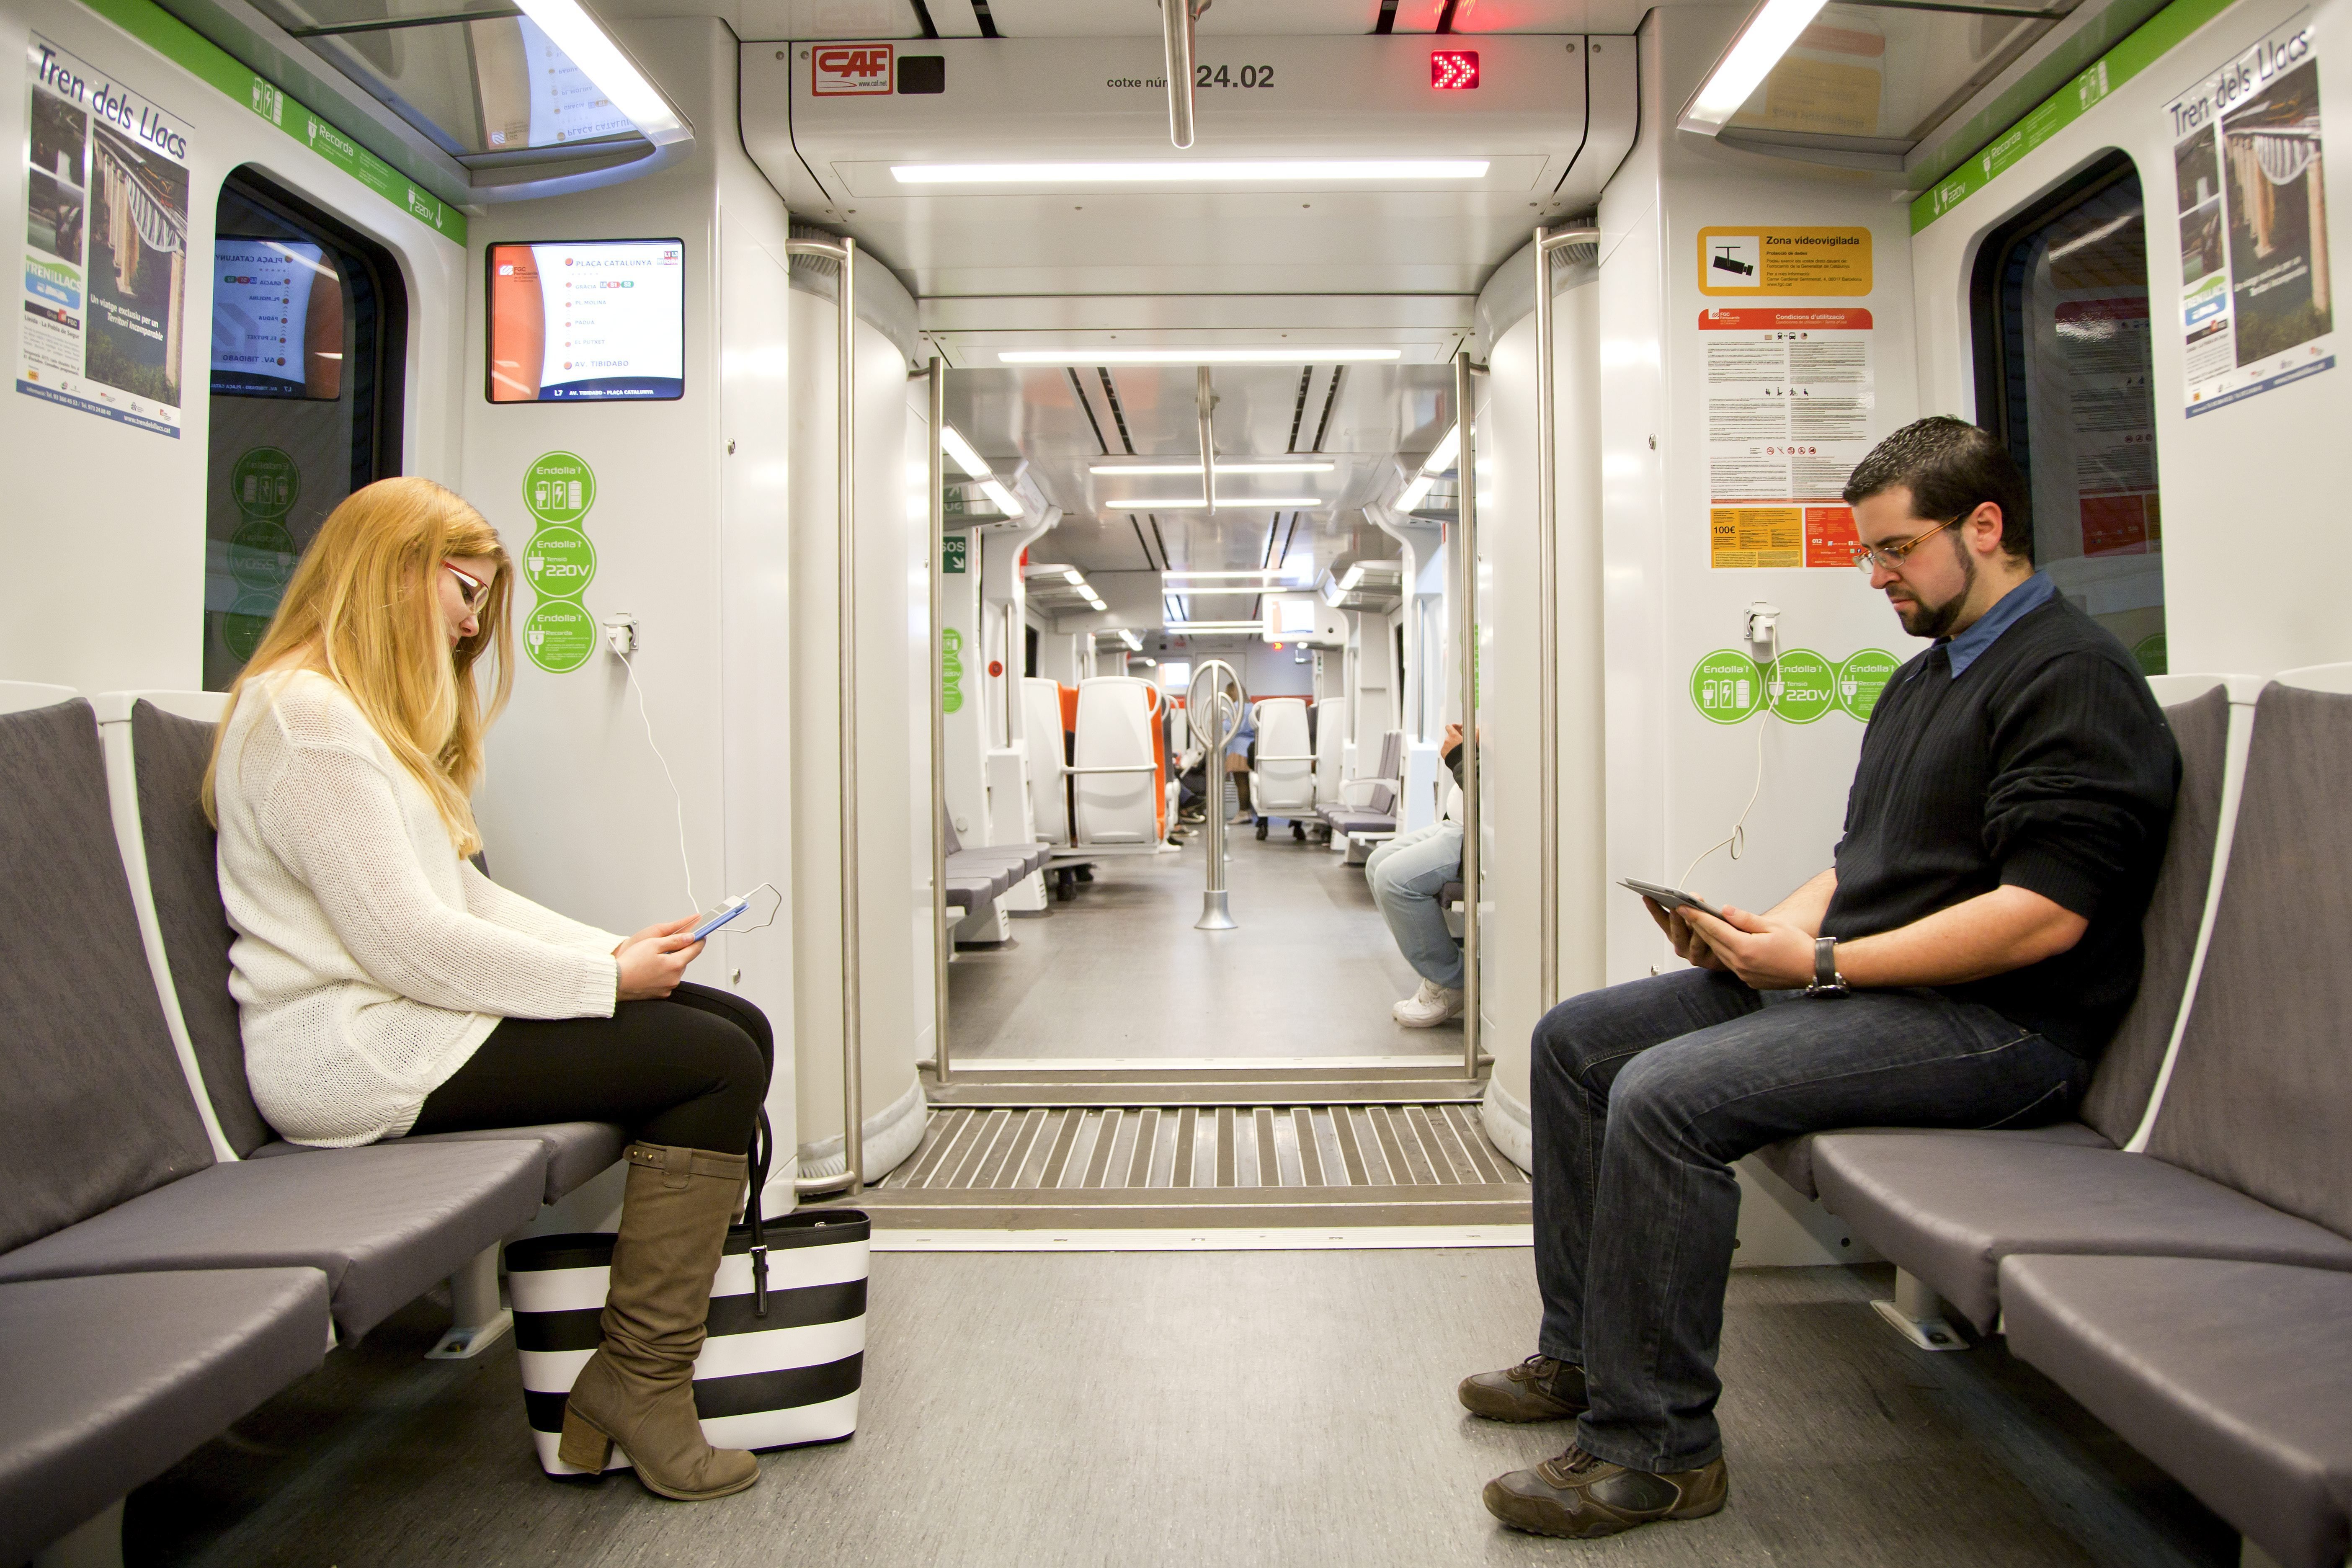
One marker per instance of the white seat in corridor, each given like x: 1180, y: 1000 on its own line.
x: 1116, y: 714
x: 1282, y: 777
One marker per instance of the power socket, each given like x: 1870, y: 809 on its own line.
x: 1761, y: 625
x: 621, y: 633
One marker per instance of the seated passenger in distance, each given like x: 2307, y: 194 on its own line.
x: 387, y: 986
x: 1961, y: 964
x: 1406, y: 875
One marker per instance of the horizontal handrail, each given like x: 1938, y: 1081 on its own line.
x: 1263, y: 758
x: 1129, y: 768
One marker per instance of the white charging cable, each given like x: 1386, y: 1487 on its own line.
x: 1737, y: 841
x: 685, y: 861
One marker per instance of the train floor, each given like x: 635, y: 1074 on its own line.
x: 1200, y: 1409
x: 1118, y: 972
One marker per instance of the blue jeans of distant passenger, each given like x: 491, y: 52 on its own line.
x: 1406, y: 873
x: 1643, y: 1095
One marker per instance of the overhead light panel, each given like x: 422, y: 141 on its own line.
x: 1006, y: 501
x: 1102, y: 469
x: 1267, y: 577
x: 1205, y: 627
x: 1224, y: 503
x: 576, y: 33
x: 1355, y: 574
x: 1190, y: 171
x: 1770, y: 32
x: 952, y: 441
x: 1294, y: 353
x: 1444, y: 455
x: 1412, y: 494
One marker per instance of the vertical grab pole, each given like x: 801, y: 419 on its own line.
x: 1548, y: 616
x: 853, y: 1046
x: 852, y: 1024
x: 1465, y: 547
x: 1176, y: 37
x: 1547, y: 649
x: 1223, y: 721
x: 936, y: 512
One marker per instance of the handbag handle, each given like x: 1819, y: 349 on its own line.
x: 763, y: 1142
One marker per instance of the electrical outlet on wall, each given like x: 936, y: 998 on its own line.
x: 621, y: 633
x: 1760, y: 624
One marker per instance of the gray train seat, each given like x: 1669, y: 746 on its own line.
x: 107, y: 1163
x: 107, y: 1382
x: 2236, y: 1377
x: 2204, y: 727
x: 1282, y: 773
x: 1366, y: 809
x: 165, y: 753
x: 2243, y: 1153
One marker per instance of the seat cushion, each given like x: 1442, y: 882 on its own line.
x: 106, y: 1382
x: 2236, y: 1377
x: 382, y: 1223
x: 1791, y: 1159
x: 1949, y: 1209
x: 1347, y: 819
x: 575, y: 1151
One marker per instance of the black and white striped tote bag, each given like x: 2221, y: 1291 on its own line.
x: 781, y: 1365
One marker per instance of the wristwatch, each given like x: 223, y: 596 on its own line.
x: 1827, y: 981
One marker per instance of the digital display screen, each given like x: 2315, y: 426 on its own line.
x: 1454, y: 70
x: 587, y: 321
x: 278, y: 320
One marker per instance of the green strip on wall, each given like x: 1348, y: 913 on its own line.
x: 2148, y: 44
x: 191, y: 50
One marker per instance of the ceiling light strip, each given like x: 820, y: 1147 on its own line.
x: 1295, y: 354
x: 1188, y: 171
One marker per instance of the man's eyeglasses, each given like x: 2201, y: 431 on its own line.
x: 471, y: 589
x: 1870, y: 558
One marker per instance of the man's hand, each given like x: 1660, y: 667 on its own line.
x: 1452, y: 742
x: 1768, y: 953
x: 1686, y: 942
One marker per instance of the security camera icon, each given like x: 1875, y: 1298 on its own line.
x: 1727, y: 262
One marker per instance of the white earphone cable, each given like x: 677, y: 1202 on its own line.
x: 686, y: 862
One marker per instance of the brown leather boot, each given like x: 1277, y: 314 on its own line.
x: 1580, y: 1495
x: 1539, y: 1388
x: 637, y: 1390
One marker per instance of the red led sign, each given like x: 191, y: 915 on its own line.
x: 1452, y: 69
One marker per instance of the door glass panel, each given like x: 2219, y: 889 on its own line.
x: 307, y: 324
x: 2078, y: 407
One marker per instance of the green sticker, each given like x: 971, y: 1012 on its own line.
x: 1726, y: 687
x: 265, y: 482
x: 950, y: 669
x: 560, y: 635
x: 261, y: 558
x: 559, y: 487
x: 952, y: 553
x: 247, y: 620
x: 2150, y: 653
x: 559, y: 563
x: 1800, y: 686
x: 1862, y: 677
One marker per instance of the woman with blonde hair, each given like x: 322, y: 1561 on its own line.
x: 385, y: 985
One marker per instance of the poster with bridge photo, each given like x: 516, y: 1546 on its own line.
x: 106, y: 231
x: 2256, y: 306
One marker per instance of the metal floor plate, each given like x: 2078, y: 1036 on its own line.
x: 1251, y: 1166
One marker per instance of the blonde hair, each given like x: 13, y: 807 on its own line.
x: 364, y: 607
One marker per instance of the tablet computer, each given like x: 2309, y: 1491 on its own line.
x: 1670, y: 898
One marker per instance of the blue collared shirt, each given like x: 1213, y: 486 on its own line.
x: 2013, y: 607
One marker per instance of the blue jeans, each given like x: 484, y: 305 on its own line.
x: 1643, y: 1094
x: 1405, y: 874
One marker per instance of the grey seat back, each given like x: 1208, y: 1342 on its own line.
x: 168, y: 756
x: 1392, y: 756
x: 94, y: 1107
x: 2126, y: 1072
x: 2261, y: 1091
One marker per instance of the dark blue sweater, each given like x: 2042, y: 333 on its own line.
x: 2045, y: 764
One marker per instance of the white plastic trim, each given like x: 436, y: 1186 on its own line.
x: 1508, y: 1125
x: 2244, y: 690
x: 892, y: 1134
x: 131, y: 841
x: 2337, y: 678
x: 22, y: 696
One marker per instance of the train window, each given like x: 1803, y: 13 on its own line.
x: 2064, y: 377
x: 310, y: 329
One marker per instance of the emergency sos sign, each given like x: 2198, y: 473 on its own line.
x: 851, y: 71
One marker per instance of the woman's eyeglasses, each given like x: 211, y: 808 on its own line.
x: 471, y: 589
x: 1870, y: 558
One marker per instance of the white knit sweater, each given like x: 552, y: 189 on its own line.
x: 369, y: 959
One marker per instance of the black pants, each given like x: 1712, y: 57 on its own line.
x: 688, y: 1072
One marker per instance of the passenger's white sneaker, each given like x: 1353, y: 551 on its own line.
x: 1428, y: 1007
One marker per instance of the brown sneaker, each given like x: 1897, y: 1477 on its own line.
x: 1582, y: 1496
x: 1538, y: 1389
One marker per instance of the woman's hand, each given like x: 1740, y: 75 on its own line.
x: 1686, y: 942
x: 654, y: 961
